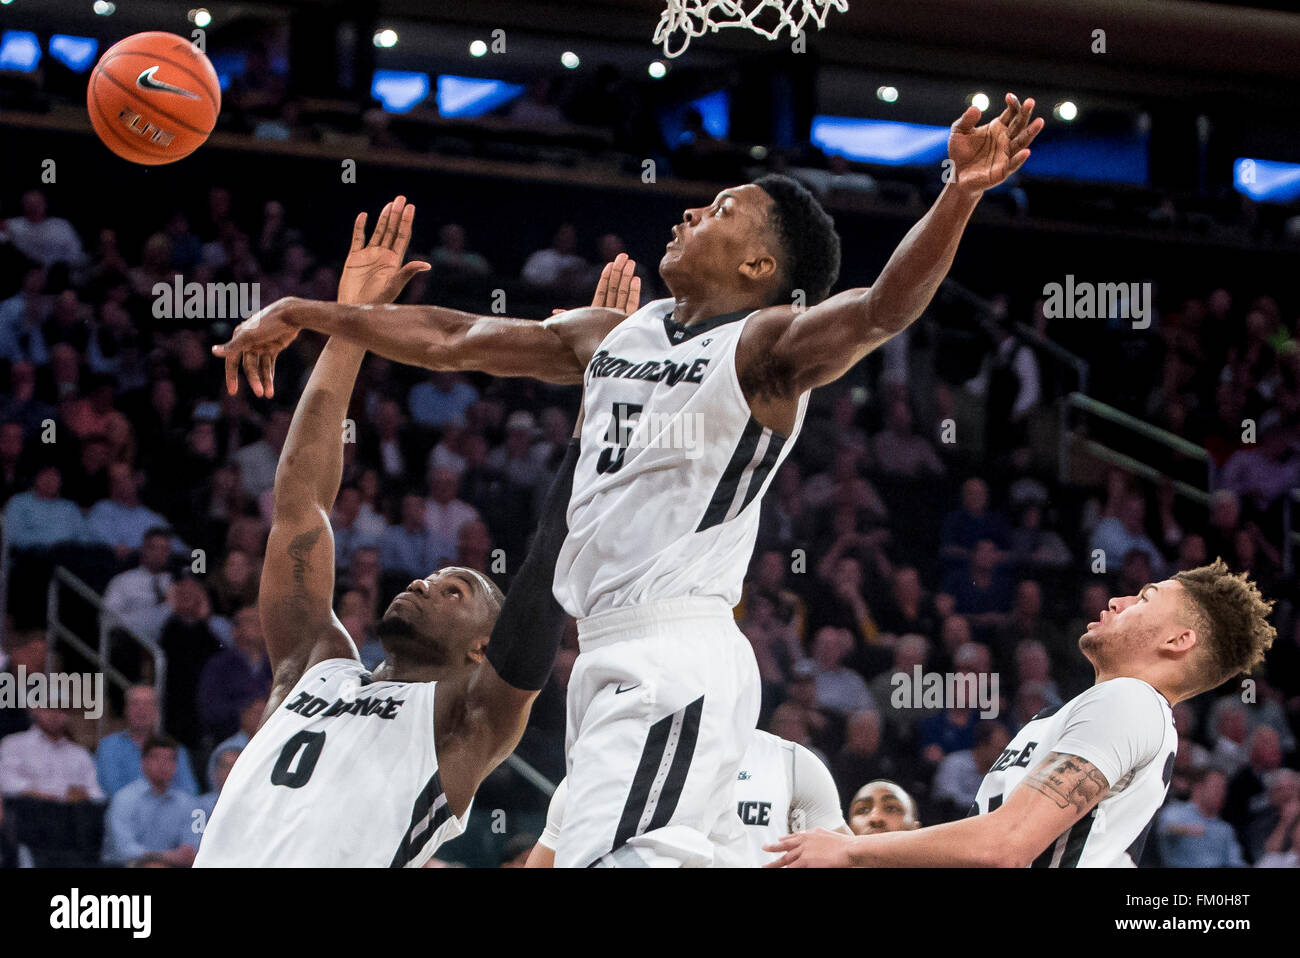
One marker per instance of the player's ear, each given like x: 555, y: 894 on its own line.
x: 478, y: 650
x: 759, y: 267
x: 1184, y: 640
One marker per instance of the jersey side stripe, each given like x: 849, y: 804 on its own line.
x: 774, y: 446
x: 672, y: 791
x: 741, y: 461
x: 427, y: 815
x: 1078, y: 838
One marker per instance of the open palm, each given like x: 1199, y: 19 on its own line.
x: 984, y: 156
x: 373, y: 271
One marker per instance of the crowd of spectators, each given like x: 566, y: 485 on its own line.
x: 885, y: 544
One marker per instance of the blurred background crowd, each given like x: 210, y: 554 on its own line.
x: 965, y: 501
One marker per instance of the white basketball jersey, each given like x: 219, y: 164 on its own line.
x: 342, y: 774
x: 666, y: 492
x: 783, y: 788
x: 1126, y: 729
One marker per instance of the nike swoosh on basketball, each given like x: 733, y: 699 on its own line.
x: 146, y: 81
x: 620, y: 690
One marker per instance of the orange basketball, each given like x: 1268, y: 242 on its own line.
x: 153, y: 98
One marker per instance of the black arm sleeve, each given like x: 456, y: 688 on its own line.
x: 528, y: 631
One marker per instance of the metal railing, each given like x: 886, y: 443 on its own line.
x: 110, y: 624
x: 531, y: 775
x: 1069, y: 442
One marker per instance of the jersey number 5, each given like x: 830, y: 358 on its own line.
x: 621, y: 426
x: 310, y: 745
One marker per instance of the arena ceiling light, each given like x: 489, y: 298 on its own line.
x: 102, y: 8
x: 200, y: 17
x: 888, y: 94
x: 657, y: 70
x: 570, y: 60
x: 980, y: 101
x: 20, y: 51
x: 1066, y: 110
x: 478, y: 49
x: 75, y: 53
x: 386, y: 39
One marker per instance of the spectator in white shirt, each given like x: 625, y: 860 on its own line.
x: 1231, y: 728
x: 558, y: 269
x: 257, y: 461
x: 46, y: 239
x: 444, y: 512
x: 44, y: 762
x: 139, y: 595
x: 1283, y: 847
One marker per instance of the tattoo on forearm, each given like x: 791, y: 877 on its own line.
x: 1069, y: 781
x: 299, y: 549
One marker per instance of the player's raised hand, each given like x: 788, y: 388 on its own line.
x: 820, y: 848
x: 984, y: 156
x: 254, y: 345
x: 619, y: 287
x: 373, y: 271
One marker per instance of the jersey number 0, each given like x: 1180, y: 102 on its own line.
x: 310, y: 745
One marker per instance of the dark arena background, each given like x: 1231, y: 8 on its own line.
x: 965, y: 500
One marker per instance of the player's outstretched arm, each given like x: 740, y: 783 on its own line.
x: 555, y: 350
x: 485, y: 722
x: 297, y: 587
x: 824, y: 341
x: 1045, y: 805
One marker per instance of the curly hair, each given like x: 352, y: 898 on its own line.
x: 1232, y: 616
x: 810, y: 246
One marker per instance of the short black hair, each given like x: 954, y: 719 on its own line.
x: 809, y: 243
x: 158, y: 741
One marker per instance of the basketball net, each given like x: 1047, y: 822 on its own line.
x: 694, y: 18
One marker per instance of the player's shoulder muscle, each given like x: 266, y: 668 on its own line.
x: 582, y: 329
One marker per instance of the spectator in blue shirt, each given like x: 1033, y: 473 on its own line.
x: 411, y: 547
x: 249, y: 720
x: 120, y: 521
x: 40, y: 519
x: 441, y: 401
x: 964, y: 527
x: 223, y: 760
x: 149, y: 817
x: 117, y: 760
x: 22, y: 316
x: 1192, y: 835
x: 1116, y: 536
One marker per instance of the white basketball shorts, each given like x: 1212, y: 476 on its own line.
x: 661, y: 705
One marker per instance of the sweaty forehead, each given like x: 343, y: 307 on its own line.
x: 747, y: 197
